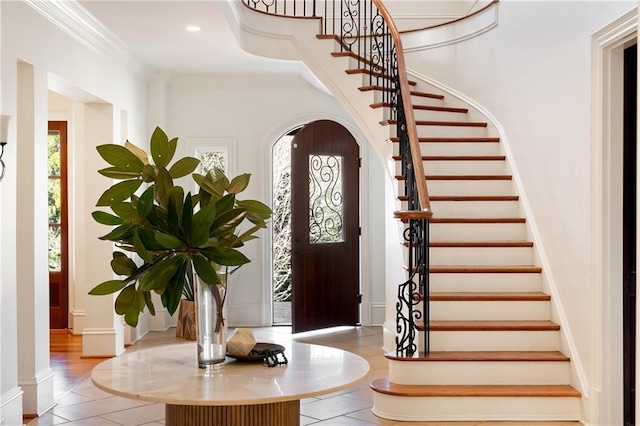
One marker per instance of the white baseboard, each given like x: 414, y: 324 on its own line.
x: 38, y: 397
x: 161, y: 321
x: 11, y: 407
x: 378, y: 313
x: 100, y: 342
x: 77, y: 321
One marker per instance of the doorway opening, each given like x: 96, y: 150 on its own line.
x: 58, y: 225
x: 281, y: 228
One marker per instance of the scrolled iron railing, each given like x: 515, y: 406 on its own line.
x: 365, y: 31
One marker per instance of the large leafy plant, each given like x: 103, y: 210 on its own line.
x: 174, y: 234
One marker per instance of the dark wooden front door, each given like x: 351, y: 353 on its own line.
x: 629, y: 220
x: 325, y: 227
x: 57, y: 238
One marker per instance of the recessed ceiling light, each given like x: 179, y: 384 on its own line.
x: 193, y: 28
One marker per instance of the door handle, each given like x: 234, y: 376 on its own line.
x: 300, y: 252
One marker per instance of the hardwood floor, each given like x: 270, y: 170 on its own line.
x: 69, y: 367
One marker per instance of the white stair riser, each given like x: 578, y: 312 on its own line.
x: 430, y: 115
x: 474, y: 168
x: 489, y: 310
x: 465, y: 167
x: 547, y: 340
x: 476, y: 409
x: 476, y: 282
x: 456, y: 148
x: 479, y: 372
x: 447, y: 131
x: 416, y: 100
x: 481, y: 256
x: 477, y: 231
x: 470, y: 187
x: 476, y: 209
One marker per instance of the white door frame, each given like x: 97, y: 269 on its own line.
x: 606, y: 392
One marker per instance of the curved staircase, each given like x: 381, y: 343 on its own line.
x: 494, y: 348
x: 494, y: 352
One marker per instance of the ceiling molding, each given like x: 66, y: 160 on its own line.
x: 72, y: 18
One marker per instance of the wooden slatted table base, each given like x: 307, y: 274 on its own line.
x: 285, y: 413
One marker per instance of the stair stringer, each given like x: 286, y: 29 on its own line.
x: 578, y: 377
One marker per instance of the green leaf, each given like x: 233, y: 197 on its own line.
x: 159, y: 274
x: 163, y: 184
x: 175, y: 287
x: 120, y: 157
x: 162, y: 149
x: 227, y: 222
x: 122, y: 265
x: 116, y: 173
x: 187, y: 215
x: 205, y: 270
x: 225, y: 256
x: 207, y: 184
x: 168, y: 241
x: 133, y: 311
x: 256, y: 207
x: 118, y: 234
x: 239, y: 183
x: 183, y: 167
x: 202, y: 222
x: 175, y: 199
x: 106, y: 218
x: 124, y: 210
x: 149, y: 302
x: 226, y: 203
x: 145, y: 203
x: 149, y: 173
x: 140, y: 248
x: 107, y: 287
x: 119, y: 192
x: 125, y: 299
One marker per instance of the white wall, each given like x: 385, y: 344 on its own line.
x: 254, y: 111
x: 61, y: 63
x: 532, y: 73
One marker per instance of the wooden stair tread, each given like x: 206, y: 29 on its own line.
x: 412, y: 92
x: 473, y: 197
x: 488, y: 296
x: 439, y: 123
x: 537, y: 391
x: 423, y: 107
x: 373, y: 73
x: 531, y: 325
x: 462, y: 177
x: 483, y: 356
x: 434, y: 269
x: 467, y: 198
x: 479, y: 220
x: 457, y: 158
x: 451, y: 140
x: 475, y: 244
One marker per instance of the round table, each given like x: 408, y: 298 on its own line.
x: 239, y: 394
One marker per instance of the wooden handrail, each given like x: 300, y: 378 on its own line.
x: 412, y: 130
x: 453, y: 21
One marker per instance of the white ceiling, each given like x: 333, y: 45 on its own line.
x: 155, y: 32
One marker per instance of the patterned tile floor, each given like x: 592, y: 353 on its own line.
x: 85, y: 405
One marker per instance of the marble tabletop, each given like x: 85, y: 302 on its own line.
x: 170, y: 374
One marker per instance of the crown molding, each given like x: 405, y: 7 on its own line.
x: 72, y: 18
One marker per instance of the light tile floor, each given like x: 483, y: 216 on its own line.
x: 85, y: 405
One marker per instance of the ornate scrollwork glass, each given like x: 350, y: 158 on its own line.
x: 325, y: 199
